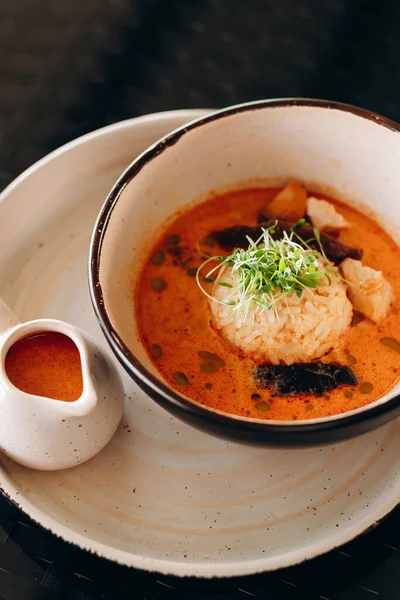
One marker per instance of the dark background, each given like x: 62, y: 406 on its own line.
x: 70, y: 66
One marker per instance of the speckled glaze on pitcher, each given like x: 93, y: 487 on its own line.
x: 43, y: 433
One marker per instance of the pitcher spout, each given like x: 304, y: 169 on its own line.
x: 85, y: 405
x: 7, y: 317
x: 87, y: 402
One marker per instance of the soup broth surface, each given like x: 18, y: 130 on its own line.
x: 175, y: 320
x: 46, y: 364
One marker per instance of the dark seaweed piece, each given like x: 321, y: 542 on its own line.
x: 236, y: 237
x: 303, y: 378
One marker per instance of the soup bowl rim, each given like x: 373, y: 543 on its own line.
x: 161, y: 392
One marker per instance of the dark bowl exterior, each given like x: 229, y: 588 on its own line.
x: 249, y: 432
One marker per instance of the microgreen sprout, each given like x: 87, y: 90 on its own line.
x: 268, y: 271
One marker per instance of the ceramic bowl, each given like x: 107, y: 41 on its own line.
x: 332, y: 147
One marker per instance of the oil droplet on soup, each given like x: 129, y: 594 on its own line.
x: 46, y: 364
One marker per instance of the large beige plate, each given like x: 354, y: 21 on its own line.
x: 163, y: 496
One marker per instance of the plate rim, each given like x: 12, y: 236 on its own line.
x: 163, y: 566
x: 192, y: 569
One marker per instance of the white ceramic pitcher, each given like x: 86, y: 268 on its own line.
x: 48, y: 434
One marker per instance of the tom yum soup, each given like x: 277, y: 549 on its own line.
x: 46, y: 364
x: 273, y: 304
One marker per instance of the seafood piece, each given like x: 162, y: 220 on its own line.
x: 288, y: 204
x: 368, y: 290
x: 324, y: 216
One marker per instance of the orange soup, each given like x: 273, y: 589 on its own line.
x: 46, y: 364
x: 196, y: 357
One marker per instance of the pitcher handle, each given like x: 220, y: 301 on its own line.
x: 7, y: 317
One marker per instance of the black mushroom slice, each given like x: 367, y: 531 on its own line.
x: 303, y: 378
x: 236, y: 237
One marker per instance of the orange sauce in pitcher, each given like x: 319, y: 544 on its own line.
x: 46, y: 364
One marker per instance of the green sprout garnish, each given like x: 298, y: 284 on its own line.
x: 268, y: 271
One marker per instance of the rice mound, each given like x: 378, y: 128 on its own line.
x: 300, y: 330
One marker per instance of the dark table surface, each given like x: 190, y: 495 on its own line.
x: 70, y: 66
